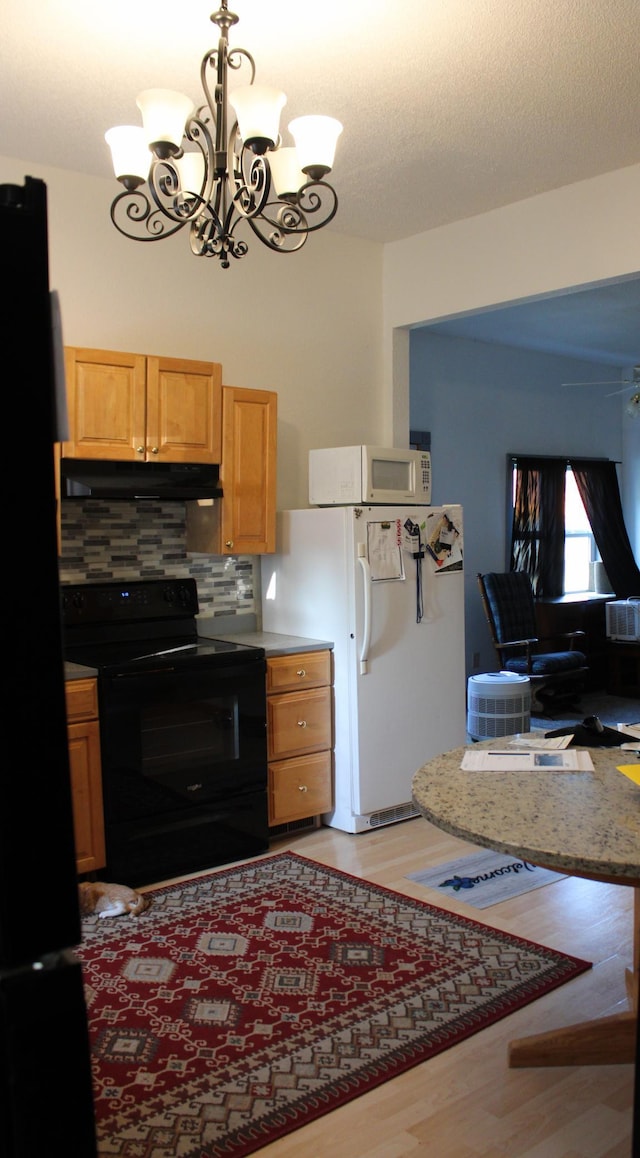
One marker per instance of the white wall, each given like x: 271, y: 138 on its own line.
x: 574, y: 236
x: 328, y: 328
x: 308, y: 325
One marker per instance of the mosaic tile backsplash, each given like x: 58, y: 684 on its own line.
x: 146, y: 540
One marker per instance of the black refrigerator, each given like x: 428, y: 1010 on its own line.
x: 46, y: 1103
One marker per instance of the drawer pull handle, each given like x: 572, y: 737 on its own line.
x: 302, y: 723
x: 302, y: 673
x: 302, y: 788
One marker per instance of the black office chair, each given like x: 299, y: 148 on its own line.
x: 557, y: 677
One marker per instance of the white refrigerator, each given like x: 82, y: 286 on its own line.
x: 385, y: 586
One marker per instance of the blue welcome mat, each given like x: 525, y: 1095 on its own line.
x: 485, y: 878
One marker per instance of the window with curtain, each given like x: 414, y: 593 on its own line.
x: 538, y: 524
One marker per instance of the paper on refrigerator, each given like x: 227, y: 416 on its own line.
x: 505, y: 760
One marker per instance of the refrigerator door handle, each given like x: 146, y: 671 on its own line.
x: 366, y: 634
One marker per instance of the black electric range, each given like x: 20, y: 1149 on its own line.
x: 182, y: 729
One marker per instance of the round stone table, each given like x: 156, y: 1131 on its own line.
x: 583, y: 823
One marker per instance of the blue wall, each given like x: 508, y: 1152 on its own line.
x: 481, y: 401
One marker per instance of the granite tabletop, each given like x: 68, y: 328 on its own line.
x: 581, y: 822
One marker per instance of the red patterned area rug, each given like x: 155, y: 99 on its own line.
x: 243, y: 1004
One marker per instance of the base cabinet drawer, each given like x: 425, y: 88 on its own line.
x: 300, y: 787
x: 288, y: 673
x: 298, y: 722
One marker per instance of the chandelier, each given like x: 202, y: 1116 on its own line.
x: 211, y: 178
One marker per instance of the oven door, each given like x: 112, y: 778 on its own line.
x: 184, y: 768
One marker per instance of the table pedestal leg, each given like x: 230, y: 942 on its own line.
x: 603, y: 1041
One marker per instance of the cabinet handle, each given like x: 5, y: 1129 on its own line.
x: 229, y: 543
x: 140, y: 450
x: 302, y: 673
x: 154, y: 450
x: 302, y: 723
x: 302, y: 788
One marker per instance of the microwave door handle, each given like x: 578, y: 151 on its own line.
x: 366, y: 584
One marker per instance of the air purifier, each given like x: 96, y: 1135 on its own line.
x: 498, y: 704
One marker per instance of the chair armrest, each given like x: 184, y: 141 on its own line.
x: 520, y: 643
x: 574, y: 637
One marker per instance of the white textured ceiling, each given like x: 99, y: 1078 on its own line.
x: 450, y: 108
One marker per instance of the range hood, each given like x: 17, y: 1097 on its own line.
x: 82, y: 478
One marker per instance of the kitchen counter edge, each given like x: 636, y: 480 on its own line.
x: 77, y: 671
x: 273, y: 643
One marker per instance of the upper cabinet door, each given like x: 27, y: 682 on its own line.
x: 184, y: 409
x: 249, y: 434
x: 142, y: 409
x: 243, y: 521
x: 106, y: 402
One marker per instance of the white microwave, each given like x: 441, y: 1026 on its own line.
x: 342, y: 475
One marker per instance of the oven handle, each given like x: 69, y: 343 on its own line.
x: 140, y: 674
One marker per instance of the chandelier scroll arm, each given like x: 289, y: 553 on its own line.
x: 309, y: 201
x: 150, y: 224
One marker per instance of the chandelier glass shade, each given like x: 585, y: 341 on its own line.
x: 210, y: 169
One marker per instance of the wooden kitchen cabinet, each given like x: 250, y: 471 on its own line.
x: 243, y: 522
x: 299, y: 735
x: 83, y: 733
x: 139, y: 408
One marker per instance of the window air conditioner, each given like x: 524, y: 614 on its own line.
x: 623, y: 619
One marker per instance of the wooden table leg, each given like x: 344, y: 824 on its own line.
x: 603, y: 1041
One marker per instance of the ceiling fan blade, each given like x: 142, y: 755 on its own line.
x: 604, y: 382
x: 625, y: 385
x: 629, y: 386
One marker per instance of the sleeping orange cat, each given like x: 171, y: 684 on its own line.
x: 104, y: 899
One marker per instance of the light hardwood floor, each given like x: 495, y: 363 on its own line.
x: 466, y: 1102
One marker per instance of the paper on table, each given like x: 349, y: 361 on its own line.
x: 533, y: 740
x: 503, y: 760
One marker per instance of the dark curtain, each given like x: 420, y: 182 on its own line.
x: 597, y: 484
x: 537, y: 535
